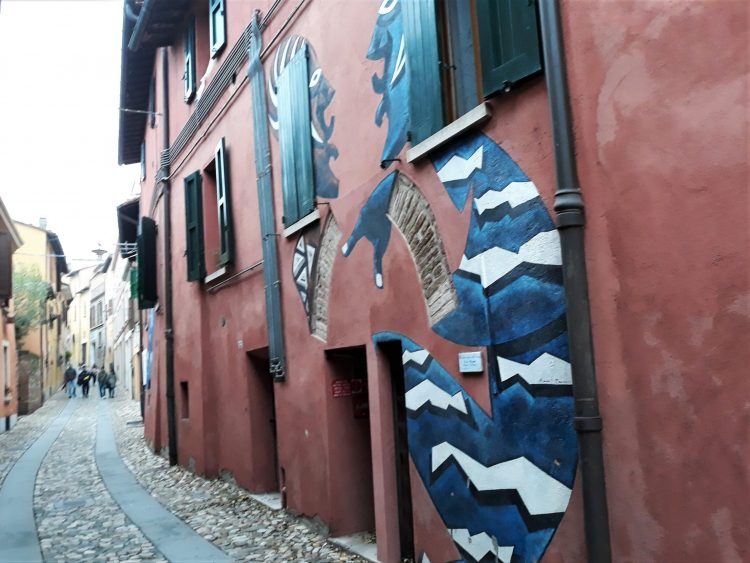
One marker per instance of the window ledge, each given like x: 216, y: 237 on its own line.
x: 302, y: 223
x: 469, y: 120
x: 215, y: 275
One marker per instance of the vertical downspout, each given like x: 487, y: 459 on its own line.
x: 168, y: 329
x: 570, y: 221
x: 265, y: 204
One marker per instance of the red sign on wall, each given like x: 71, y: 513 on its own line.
x: 341, y: 388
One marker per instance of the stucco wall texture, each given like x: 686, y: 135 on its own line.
x: 659, y: 97
x: 659, y: 100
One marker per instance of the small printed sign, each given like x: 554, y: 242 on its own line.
x: 341, y: 388
x: 470, y: 362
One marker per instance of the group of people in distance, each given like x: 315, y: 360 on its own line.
x: 86, y: 377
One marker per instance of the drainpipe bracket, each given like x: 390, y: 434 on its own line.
x: 570, y: 218
x: 588, y: 423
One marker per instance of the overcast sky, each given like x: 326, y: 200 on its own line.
x: 59, y: 94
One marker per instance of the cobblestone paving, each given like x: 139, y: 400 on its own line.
x: 219, y: 511
x: 77, y: 519
x: 25, y: 433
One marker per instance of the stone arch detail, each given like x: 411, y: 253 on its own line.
x: 323, y: 274
x: 410, y: 212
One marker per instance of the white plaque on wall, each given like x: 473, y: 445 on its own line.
x: 470, y: 362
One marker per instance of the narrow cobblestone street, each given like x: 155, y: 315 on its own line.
x: 91, y: 503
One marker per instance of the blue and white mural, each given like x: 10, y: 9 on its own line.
x: 500, y: 480
x: 374, y: 225
x: 302, y: 267
x: 321, y: 128
x: 387, y: 43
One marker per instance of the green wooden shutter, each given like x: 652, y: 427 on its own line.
x: 423, y: 63
x: 217, y: 26
x: 189, y: 75
x: 508, y: 42
x: 134, y: 283
x: 223, y: 204
x: 295, y: 139
x: 147, y: 296
x: 196, y: 262
x: 6, y: 267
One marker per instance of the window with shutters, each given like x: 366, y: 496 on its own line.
x: 295, y: 139
x: 461, y: 51
x: 189, y: 73
x: 146, y: 242
x: 208, y: 217
x: 217, y: 26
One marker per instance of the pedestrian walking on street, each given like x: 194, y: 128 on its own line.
x: 111, y: 381
x: 103, y: 377
x: 84, y: 380
x: 70, y: 381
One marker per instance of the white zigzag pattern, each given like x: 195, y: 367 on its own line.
x: 493, y: 264
x: 419, y: 356
x: 479, y: 545
x: 545, y: 370
x: 428, y: 392
x: 514, y: 193
x: 540, y: 493
x: 460, y: 168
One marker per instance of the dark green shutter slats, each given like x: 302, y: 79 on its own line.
x: 6, y: 267
x: 223, y: 204
x: 146, y: 242
x: 509, y: 42
x: 217, y: 26
x: 295, y: 139
x: 134, y: 283
x: 196, y: 262
x: 189, y: 75
x: 425, y: 99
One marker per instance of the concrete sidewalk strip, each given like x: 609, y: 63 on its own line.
x: 19, y: 541
x: 169, y: 535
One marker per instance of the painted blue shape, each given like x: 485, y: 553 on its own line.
x: 459, y: 194
x: 150, y: 349
x: 374, y: 225
x: 519, y: 424
x: 387, y: 43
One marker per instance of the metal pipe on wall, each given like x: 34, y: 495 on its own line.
x: 570, y: 220
x: 168, y: 329
x: 277, y: 356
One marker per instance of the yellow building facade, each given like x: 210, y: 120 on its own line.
x: 41, y: 353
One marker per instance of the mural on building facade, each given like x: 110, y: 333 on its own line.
x: 387, y: 43
x: 303, y: 262
x: 148, y: 359
x: 374, y: 225
x: 501, y: 480
x: 321, y: 128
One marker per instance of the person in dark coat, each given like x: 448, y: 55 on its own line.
x: 70, y: 381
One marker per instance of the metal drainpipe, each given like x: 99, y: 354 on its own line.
x: 570, y: 221
x: 168, y: 330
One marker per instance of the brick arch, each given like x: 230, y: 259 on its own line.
x: 321, y: 287
x: 410, y: 212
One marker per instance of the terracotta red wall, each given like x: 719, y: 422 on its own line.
x: 659, y: 96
